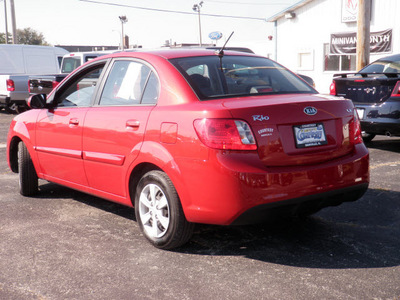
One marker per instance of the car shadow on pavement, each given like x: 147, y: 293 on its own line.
x: 51, y: 190
x: 361, y: 234
x: 388, y: 144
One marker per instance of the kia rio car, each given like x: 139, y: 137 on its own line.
x: 192, y: 136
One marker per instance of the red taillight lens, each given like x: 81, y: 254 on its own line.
x: 29, y: 86
x: 396, y: 90
x: 54, y: 84
x: 355, y: 130
x: 332, y: 89
x: 225, y: 134
x: 10, y: 85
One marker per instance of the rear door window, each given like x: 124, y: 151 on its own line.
x: 130, y: 83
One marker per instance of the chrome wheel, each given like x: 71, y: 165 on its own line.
x: 154, y: 211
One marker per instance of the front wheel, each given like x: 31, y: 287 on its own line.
x: 159, y: 212
x: 28, y: 179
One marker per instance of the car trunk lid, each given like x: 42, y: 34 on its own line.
x: 293, y: 130
x: 369, y: 89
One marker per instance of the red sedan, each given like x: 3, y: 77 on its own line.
x: 192, y: 136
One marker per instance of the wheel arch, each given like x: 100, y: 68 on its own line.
x: 13, y: 153
x: 135, y: 176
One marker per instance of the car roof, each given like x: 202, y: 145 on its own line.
x: 177, y: 53
x: 394, y: 57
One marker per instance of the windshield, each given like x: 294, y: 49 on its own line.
x: 69, y: 64
x: 382, y: 66
x: 213, y: 77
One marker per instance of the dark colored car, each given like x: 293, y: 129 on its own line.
x: 192, y: 136
x: 375, y: 92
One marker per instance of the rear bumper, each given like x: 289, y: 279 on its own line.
x: 381, y: 119
x: 301, y: 205
x: 238, y: 189
x: 4, y: 100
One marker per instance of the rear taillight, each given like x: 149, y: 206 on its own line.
x: 29, y: 86
x: 355, y: 130
x: 332, y: 89
x: 54, y: 84
x: 396, y: 90
x: 225, y: 134
x: 10, y: 85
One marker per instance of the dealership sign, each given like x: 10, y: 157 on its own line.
x: 346, y: 43
x: 216, y: 35
x: 349, y: 11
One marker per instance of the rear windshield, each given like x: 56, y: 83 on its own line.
x: 69, y: 64
x: 213, y: 77
x: 382, y: 66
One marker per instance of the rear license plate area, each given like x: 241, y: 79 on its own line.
x: 309, y: 135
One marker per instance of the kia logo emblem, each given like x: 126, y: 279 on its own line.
x: 309, y: 110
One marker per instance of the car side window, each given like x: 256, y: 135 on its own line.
x: 80, y: 91
x: 130, y: 83
x: 150, y: 94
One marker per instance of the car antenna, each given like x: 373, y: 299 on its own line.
x: 220, y: 52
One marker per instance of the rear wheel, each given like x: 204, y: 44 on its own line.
x: 11, y: 108
x: 367, y: 137
x: 159, y: 212
x: 28, y: 180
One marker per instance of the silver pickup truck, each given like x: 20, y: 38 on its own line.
x: 17, y: 63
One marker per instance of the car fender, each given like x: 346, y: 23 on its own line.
x: 156, y: 154
x: 21, y: 131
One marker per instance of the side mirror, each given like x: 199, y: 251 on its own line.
x: 37, y: 101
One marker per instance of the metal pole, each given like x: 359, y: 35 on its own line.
x: 201, y: 43
x: 363, y: 33
x: 5, y: 16
x: 14, y: 23
x: 122, y: 37
x: 276, y: 40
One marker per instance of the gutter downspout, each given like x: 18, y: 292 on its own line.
x: 276, y: 40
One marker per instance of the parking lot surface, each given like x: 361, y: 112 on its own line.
x: 63, y: 244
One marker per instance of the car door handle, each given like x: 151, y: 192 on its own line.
x: 74, y: 122
x: 133, y: 124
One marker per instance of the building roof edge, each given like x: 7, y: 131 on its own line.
x: 287, y: 10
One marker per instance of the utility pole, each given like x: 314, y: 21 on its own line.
x: 14, y: 23
x: 363, y: 33
x: 123, y: 20
x: 197, y: 8
x: 5, y: 17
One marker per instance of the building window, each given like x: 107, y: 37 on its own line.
x: 338, y: 62
x: 305, y: 60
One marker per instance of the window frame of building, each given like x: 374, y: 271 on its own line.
x: 338, y: 63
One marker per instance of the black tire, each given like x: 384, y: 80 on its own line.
x: 159, y: 212
x: 11, y: 108
x: 28, y: 179
x: 367, y: 137
x: 22, y: 108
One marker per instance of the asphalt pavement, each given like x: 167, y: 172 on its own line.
x: 63, y: 244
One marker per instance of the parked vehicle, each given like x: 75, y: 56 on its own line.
x: 192, y: 136
x: 375, y: 92
x: 17, y: 62
x: 44, y: 84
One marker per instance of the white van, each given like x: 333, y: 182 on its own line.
x: 73, y: 60
x: 17, y: 62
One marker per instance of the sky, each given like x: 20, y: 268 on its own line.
x: 150, y: 22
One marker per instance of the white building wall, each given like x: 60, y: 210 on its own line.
x: 300, y: 41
